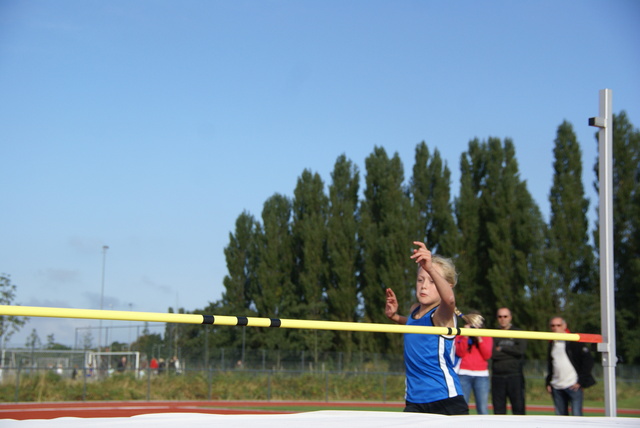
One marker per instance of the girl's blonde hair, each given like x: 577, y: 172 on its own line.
x: 449, y: 273
x: 447, y: 267
x: 473, y: 318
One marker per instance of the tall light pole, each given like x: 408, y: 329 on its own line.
x: 130, y: 306
x: 104, y: 261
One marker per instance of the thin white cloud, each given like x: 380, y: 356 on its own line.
x: 61, y: 276
x: 156, y: 286
x: 85, y: 246
x: 48, y: 303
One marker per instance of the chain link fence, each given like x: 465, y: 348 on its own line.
x: 262, y: 375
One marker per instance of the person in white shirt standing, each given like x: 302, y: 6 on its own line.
x: 569, y: 365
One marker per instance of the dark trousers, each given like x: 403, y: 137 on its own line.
x: 448, y: 406
x: 508, y: 386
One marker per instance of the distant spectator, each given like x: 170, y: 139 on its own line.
x: 174, y: 365
x: 153, y: 365
x: 570, y: 365
x: 507, y: 377
x: 122, y: 364
x: 474, y: 353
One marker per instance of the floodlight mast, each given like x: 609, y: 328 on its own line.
x: 104, y: 260
x: 607, y: 297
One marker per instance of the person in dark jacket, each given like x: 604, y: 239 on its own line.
x: 507, y: 377
x: 569, y: 371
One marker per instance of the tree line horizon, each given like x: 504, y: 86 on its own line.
x: 327, y: 253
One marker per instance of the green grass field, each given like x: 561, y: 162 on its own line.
x: 309, y: 391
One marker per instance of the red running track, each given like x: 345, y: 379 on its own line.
x: 106, y: 409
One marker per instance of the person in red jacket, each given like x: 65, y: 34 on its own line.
x: 154, y: 366
x: 474, y: 354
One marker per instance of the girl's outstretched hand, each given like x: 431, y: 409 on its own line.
x: 422, y: 255
x: 391, y: 308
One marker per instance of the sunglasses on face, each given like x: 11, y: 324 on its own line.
x: 555, y: 325
x: 503, y: 316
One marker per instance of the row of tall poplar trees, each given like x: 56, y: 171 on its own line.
x: 330, y: 256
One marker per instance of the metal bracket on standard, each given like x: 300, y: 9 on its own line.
x: 598, y: 122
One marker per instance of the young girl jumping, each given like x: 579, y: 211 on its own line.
x: 432, y: 384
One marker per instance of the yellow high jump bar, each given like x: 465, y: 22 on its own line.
x: 35, y: 311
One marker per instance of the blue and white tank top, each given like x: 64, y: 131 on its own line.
x: 429, y: 361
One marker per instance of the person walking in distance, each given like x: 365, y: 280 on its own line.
x: 569, y: 365
x: 507, y: 377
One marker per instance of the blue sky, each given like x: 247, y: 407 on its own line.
x: 149, y: 126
